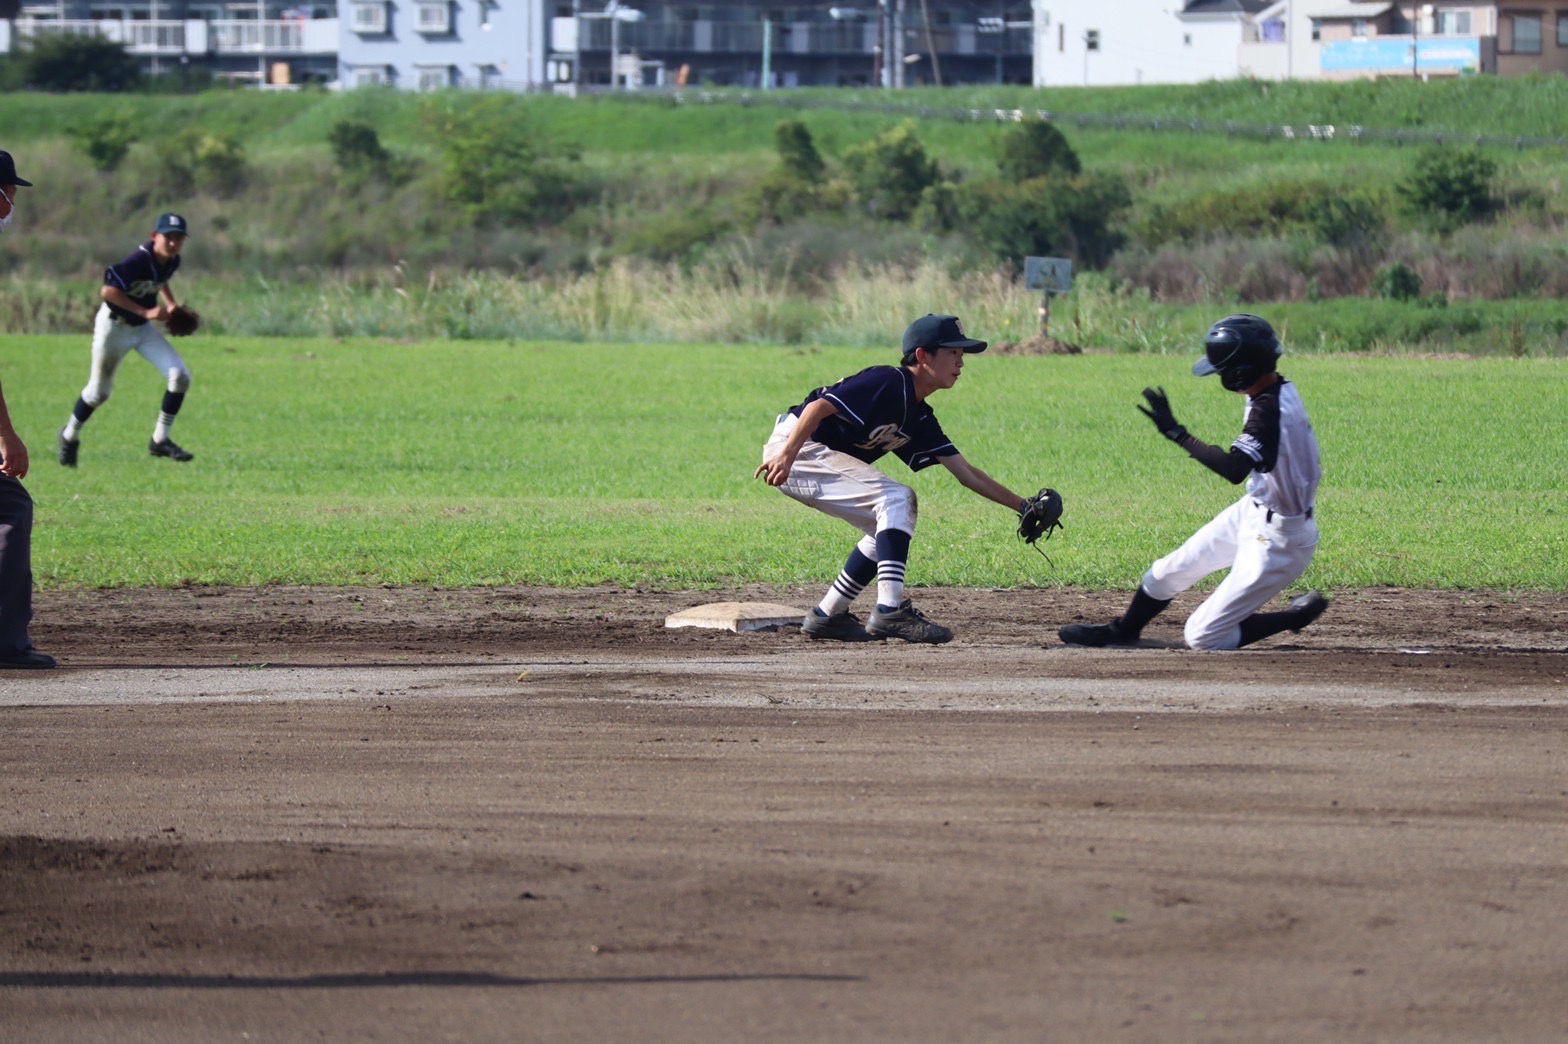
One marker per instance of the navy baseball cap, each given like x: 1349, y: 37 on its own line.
x: 939, y: 331
x: 8, y: 174
x: 172, y: 225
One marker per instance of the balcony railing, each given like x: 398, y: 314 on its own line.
x: 820, y: 38
x: 172, y: 38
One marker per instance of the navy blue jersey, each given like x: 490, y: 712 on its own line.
x: 141, y: 277
x: 878, y: 414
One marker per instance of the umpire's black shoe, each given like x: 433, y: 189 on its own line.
x: 840, y: 627
x: 31, y: 660
x: 1306, y: 608
x: 68, y: 450
x: 1096, y: 634
x: 908, y: 623
x: 168, y: 448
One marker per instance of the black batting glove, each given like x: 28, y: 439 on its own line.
x: 1159, y: 411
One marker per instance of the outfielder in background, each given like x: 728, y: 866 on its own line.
x: 1267, y: 538
x: 821, y: 454
x: 16, y: 506
x: 135, y: 296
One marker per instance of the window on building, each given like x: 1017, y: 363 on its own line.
x: 1186, y: 39
x: 371, y: 17
x: 1091, y: 40
x: 434, y: 77
x: 1527, y: 34
x: 1061, y: 38
x: 369, y: 76
x: 1317, y: 31
x: 435, y: 17
x: 1562, y: 28
x: 1359, y: 28
x: 1453, y: 23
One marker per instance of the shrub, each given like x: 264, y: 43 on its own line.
x: 1396, y: 282
x: 68, y: 62
x: 1451, y: 187
x: 494, y: 164
x: 1042, y: 216
x: 1036, y: 149
x: 797, y: 153
x: 1345, y: 221
x: 105, y: 141
x: 358, y: 150
x: 888, y: 173
x: 212, y: 163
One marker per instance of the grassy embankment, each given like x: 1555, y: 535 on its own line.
x: 283, y: 257
x: 368, y: 462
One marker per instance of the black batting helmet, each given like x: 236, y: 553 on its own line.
x: 1240, y: 348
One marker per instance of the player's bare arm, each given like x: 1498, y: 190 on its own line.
x: 775, y: 470
x: 972, y: 478
x: 12, y: 449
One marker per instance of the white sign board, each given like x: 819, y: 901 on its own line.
x: 1050, y: 274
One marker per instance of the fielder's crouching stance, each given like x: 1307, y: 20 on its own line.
x: 821, y: 454
x: 1266, y: 538
x: 135, y: 296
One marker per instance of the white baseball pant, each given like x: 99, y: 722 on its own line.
x: 113, y: 341
x: 842, y: 486
x: 1265, y: 551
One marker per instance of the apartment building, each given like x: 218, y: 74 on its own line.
x: 588, y: 45
x: 275, y: 42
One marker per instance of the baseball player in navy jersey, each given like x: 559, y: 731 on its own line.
x: 1267, y: 538
x: 16, y: 506
x: 821, y: 454
x: 135, y: 295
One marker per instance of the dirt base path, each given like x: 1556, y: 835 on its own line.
x: 288, y: 814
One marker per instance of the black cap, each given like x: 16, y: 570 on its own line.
x: 939, y: 331
x: 8, y: 174
x: 172, y: 225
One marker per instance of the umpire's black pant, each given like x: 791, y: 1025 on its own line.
x: 16, y: 566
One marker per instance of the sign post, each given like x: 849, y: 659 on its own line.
x: 1049, y: 275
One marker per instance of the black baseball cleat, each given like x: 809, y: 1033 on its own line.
x: 1307, y: 607
x: 908, y: 623
x: 1096, y: 634
x: 68, y: 450
x: 168, y: 448
x: 840, y: 627
x: 29, y: 660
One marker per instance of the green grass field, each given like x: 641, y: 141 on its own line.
x: 478, y: 463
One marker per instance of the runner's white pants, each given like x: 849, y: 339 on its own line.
x: 113, y: 341
x: 840, y: 485
x: 1265, y: 554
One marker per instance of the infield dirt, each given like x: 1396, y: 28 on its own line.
x: 411, y: 814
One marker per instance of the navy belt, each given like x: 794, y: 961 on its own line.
x: 1269, y: 513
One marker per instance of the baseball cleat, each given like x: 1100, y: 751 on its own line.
x: 1308, y: 607
x: 840, y: 627
x: 908, y: 623
x: 68, y: 450
x: 30, y: 660
x: 168, y: 448
x: 1095, y: 634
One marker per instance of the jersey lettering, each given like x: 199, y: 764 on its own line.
x: 884, y: 438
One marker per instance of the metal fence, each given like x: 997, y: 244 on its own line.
x: 1305, y: 132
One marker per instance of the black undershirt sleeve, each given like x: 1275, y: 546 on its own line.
x: 1233, y: 466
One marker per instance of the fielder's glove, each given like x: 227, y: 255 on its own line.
x: 1039, y: 515
x: 1159, y: 412
x: 182, y: 322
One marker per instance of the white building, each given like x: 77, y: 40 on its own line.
x: 1102, y: 43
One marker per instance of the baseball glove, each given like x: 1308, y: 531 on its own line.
x: 182, y: 322
x: 1039, y: 515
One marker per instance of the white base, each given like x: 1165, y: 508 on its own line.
x: 737, y: 616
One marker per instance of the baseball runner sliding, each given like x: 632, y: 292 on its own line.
x: 1267, y: 538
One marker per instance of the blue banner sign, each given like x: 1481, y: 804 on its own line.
x: 1429, y: 53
